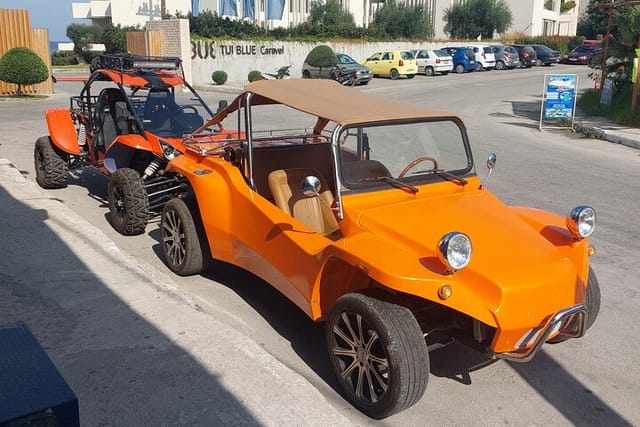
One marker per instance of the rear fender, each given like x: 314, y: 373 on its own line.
x: 122, y: 150
x: 62, y: 130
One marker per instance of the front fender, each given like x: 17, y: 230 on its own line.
x: 62, y: 130
x: 392, y: 267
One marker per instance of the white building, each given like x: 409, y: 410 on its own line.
x: 531, y: 17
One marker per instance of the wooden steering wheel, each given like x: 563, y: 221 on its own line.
x: 415, y: 162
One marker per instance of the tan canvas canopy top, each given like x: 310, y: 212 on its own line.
x: 328, y: 100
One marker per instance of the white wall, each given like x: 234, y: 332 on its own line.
x: 238, y: 58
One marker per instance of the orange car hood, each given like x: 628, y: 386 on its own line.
x: 505, y: 247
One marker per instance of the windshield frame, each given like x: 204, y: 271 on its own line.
x: 343, y: 188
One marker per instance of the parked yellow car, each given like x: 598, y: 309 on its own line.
x: 392, y: 63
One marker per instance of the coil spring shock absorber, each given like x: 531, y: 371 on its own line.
x: 151, y: 169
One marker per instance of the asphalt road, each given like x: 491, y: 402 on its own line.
x: 591, y: 381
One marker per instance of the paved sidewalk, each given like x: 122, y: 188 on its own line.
x: 135, y: 349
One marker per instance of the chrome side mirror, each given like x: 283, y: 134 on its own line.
x: 310, y: 186
x: 491, y: 163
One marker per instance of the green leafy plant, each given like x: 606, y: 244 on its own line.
x: 321, y: 56
x: 219, y: 77
x: 22, y: 66
x: 567, y: 6
x: 254, y: 75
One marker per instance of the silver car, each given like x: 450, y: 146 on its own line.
x: 506, y: 57
x: 363, y: 73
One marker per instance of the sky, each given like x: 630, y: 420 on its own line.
x: 55, y: 15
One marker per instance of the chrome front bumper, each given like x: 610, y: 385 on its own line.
x: 568, y: 322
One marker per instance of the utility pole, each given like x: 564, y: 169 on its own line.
x: 163, y: 9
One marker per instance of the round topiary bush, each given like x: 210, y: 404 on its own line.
x: 219, y: 77
x: 321, y: 56
x: 254, y: 75
x: 22, y: 66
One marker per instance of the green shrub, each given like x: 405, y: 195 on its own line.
x: 321, y: 56
x: 254, y: 75
x: 563, y: 44
x: 22, y: 66
x: 219, y: 77
x: 63, y: 58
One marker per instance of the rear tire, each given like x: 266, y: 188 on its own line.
x: 52, y: 168
x: 539, y: 62
x: 479, y: 66
x: 394, y: 74
x: 378, y: 354
x: 183, y: 242
x: 459, y: 68
x: 128, y: 202
x: 428, y: 71
x: 500, y: 65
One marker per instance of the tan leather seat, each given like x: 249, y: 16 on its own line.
x: 315, y: 212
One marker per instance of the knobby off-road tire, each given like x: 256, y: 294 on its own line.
x: 378, y: 354
x: 128, y: 202
x: 183, y: 241
x: 52, y: 168
x: 591, y: 302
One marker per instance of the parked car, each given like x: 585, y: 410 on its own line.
x: 463, y: 58
x: 582, y: 54
x: 485, y: 59
x: 370, y: 216
x: 506, y: 57
x: 431, y: 62
x: 392, y: 63
x: 526, y: 55
x: 545, y: 55
x: 363, y: 74
x: 127, y: 123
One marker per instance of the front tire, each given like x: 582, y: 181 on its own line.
x: 394, y: 74
x: 51, y: 168
x: 182, y: 244
x: 378, y: 354
x: 128, y: 202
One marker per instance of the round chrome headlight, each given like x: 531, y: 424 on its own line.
x: 581, y: 221
x: 454, y: 250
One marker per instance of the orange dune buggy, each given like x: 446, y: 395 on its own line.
x: 127, y: 123
x: 372, y: 218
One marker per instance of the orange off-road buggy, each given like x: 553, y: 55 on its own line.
x: 127, y: 122
x: 370, y: 216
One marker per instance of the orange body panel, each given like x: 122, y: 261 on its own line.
x: 62, y: 130
x: 502, y: 287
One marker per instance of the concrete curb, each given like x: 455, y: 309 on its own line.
x: 597, y: 132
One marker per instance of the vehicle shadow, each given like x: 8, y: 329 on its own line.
x: 123, y: 369
x: 527, y: 110
x: 566, y: 393
x: 307, y: 338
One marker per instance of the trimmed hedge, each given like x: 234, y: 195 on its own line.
x: 254, y: 75
x: 563, y: 44
x: 219, y: 77
x: 22, y: 66
x: 321, y: 56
